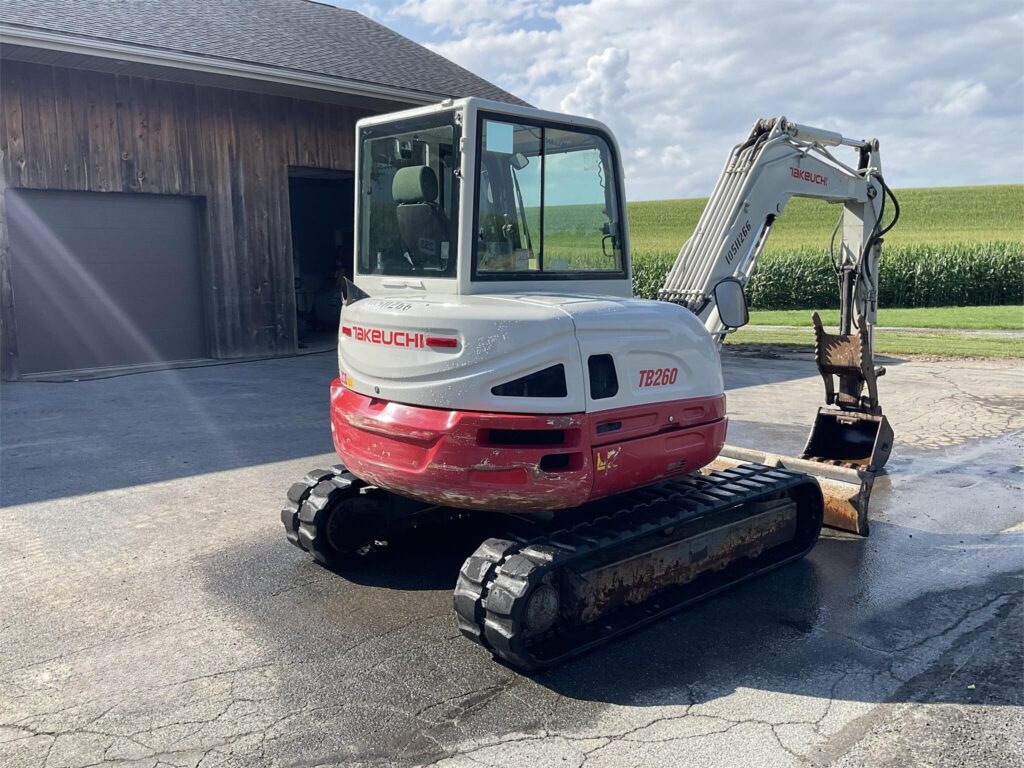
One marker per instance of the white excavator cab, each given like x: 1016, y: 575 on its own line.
x: 480, y: 197
x: 493, y: 281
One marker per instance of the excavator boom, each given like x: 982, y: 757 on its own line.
x: 851, y: 439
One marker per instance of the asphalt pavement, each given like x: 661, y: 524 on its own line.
x: 152, y: 613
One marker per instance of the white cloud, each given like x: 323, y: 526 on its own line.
x: 962, y: 98
x: 459, y: 15
x: 680, y: 82
x: 603, y: 88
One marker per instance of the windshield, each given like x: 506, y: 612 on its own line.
x: 409, y: 196
x: 546, y: 204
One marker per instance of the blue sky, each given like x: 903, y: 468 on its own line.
x: 940, y: 83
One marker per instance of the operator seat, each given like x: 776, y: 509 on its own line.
x: 421, y: 222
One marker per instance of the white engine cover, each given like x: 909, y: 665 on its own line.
x: 661, y: 351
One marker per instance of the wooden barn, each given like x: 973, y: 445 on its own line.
x: 176, y: 175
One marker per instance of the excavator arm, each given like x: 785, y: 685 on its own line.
x: 851, y: 439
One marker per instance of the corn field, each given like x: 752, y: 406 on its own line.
x: 951, y: 274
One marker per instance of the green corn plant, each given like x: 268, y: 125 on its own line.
x: 949, y: 274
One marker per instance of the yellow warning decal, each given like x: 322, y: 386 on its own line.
x: 606, y: 460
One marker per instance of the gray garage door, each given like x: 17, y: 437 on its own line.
x: 104, y: 279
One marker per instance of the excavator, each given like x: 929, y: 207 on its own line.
x: 493, y: 360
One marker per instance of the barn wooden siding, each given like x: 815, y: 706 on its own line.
x: 68, y: 129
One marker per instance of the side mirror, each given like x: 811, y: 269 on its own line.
x: 351, y: 293
x: 731, y: 303
x: 519, y: 161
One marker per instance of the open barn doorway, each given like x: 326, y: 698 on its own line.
x: 322, y: 214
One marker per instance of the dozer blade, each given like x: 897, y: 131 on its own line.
x: 646, y: 554
x: 846, y: 489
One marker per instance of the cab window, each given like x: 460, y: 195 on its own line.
x: 408, y: 207
x: 546, y: 203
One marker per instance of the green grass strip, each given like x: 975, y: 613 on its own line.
x: 1003, y: 318
x: 937, y: 344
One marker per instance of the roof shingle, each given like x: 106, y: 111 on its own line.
x: 299, y: 35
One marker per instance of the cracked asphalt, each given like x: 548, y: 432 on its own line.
x: 152, y: 614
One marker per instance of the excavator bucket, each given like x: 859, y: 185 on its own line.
x: 845, y: 487
x: 849, y: 439
x: 850, y: 442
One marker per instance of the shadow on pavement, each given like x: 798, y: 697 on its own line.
x: 426, y: 558
x: 67, y: 439
x: 796, y: 630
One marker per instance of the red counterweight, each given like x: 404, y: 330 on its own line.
x: 521, y: 462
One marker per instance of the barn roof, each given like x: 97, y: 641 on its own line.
x: 300, y: 38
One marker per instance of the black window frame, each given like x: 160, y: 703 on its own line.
x: 621, y: 273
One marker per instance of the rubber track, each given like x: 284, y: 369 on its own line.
x: 471, y: 588
x: 297, y: 494
x: 494, y: 583
x: 310, y: 502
